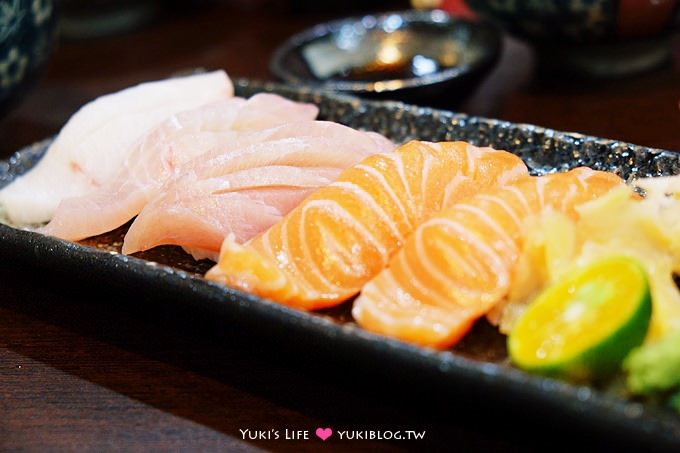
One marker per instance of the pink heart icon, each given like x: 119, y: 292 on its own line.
x: 324, y: 433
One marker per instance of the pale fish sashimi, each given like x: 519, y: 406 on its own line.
x: 320, y: 150
x: 458, y: 265
x: 324, y: 251
x: 268, y: 109
x: 343, y: 146
x: 199, y: 214
x: 219, y: 127
x: 94, y: 142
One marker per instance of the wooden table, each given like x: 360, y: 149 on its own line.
x: 84, y: 367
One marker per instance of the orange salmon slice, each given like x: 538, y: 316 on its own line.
x: 458, y: 264
x: 336, y: 240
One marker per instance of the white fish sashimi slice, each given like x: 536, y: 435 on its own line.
x: 267, y: 109
x: 383, y: 143
x: 95, y: 141
x: 158, y: 154
x: 223, y: 126
x: 271, y: 176
x: 198, y: 214
x: 304, y: 143
x: 334, y: 148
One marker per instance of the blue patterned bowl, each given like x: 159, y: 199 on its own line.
x: 581, y: 21
x: 27, y: 36
x: 597, y: 37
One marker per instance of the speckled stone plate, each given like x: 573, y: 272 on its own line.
x: 478, y: 363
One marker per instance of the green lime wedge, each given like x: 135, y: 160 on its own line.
x: 582, y: 327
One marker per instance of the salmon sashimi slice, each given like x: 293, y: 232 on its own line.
x: 248, y: 190
x: 219, y: 128
x: 324, y: 251
x: 95, y: 141
x: 458, y: 264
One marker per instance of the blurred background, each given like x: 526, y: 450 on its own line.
x: 560, y: 60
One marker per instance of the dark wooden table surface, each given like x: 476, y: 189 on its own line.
x: 86, y: 367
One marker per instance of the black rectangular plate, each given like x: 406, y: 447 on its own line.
x: 478, y: 363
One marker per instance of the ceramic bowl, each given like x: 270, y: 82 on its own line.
x: 581, y: 21
x: 420, y: 57
x: 27, y: 37
x: 598, y: 37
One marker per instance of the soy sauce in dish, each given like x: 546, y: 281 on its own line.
x: 417, y: 66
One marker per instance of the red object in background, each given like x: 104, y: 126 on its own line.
x: 457, y: 8
x: 644, y: 17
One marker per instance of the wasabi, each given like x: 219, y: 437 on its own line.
x: 655, y: 368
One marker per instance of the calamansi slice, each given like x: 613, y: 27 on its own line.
x: 583, y: 326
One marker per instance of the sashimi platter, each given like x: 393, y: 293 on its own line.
x: 393, y: 231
